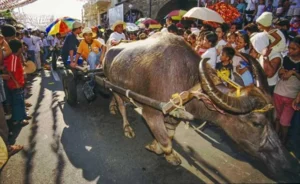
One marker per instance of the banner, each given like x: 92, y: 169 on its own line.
x: 116, y: 13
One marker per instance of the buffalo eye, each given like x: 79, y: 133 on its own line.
x: 258, y: 125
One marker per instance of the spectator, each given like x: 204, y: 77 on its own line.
x: 9, y: 32
x: 233, y: 28
x: 192, y: 40
x: 15, y: 83
x: 210, y: 42
x: 251, y: 29
x: 225, y: 66
x: 186, y: 35
x: 250, y: 10
x: 220, y: 31
x: 12, y: 149
x: 276, y: 37
x: 38, y: 45
x: 287, y: 88
x: 117, y: 36
x: 28, y: 40
x: 231, y: 39
x: 71, y: 43
x: 46, y: 47
x: 172, y: 29
x: 260, y: 9
x: 270, y: 60
x: 89, y: 49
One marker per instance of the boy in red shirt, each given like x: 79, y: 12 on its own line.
x: 15, y: 83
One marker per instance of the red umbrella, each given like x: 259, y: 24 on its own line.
x: 153, y: 24
x: 150, y: 21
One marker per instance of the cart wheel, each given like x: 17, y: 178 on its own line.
x: 69, y: 84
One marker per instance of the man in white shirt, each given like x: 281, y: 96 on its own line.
x: 46, y: 47
x: 117, y: 36
x: 28, y: 40
x: 250, y: 10
x: 37, y: 41
x: 50, y: 40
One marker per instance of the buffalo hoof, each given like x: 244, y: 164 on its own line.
x: 173, y: 158
x: 128, y: 132
x: 154, y: 147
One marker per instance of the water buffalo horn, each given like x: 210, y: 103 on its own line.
x: 239, y: 105
x: 258, y: 72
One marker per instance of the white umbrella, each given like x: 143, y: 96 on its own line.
x: 204, y: 14
x: 131, y: 27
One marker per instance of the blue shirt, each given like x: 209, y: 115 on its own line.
x: 71, y: 43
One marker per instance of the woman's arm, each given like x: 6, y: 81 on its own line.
x: 271, y: 66
x: 277, y: 39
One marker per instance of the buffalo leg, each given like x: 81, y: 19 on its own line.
x: 171, y: 125
x: 128, y: 132
x: 162, y: 142
x: 113, y: 106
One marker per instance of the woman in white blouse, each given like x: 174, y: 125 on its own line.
x: 210, y: 41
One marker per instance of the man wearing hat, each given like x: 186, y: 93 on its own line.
x: 117, y: 36
x: 71, y: 43
x: 89, y: 49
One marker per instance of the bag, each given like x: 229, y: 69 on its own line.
x: 88, y: 92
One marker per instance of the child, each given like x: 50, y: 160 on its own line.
x: 231, y: 38
x: 278, y: 42
x: 243, y: 70
x: 225, y: 66
x: 15, y: 83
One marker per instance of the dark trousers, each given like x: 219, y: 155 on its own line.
x: 31, y: 55
x: 249, y: 14
x: 16, y: 100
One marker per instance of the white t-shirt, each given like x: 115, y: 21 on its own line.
x: 29, y: 42
x: 219, y: 48
x: 37, y: 42
x: 45, y: 42
x: 50, y: 40
x: 211, y: 53
x: 273, y: 80
x: 251, y: 4
x: 117, y: 36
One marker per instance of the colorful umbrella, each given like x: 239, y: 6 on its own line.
x: 227, y: 12
x: 176, y: 14
x: 153, y: 24
x: 141, y: 20
x: 62, y: 25
x: 131, y: 27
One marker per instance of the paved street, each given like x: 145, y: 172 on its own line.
x: 86, y: 145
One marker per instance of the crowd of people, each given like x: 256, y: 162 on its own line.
x: 266, y: 32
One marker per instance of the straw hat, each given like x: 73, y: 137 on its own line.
x: 88, y: 30
x: 29, y: 67
x: 118, y: 23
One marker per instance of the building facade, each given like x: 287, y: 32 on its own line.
x: 96, y: 11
